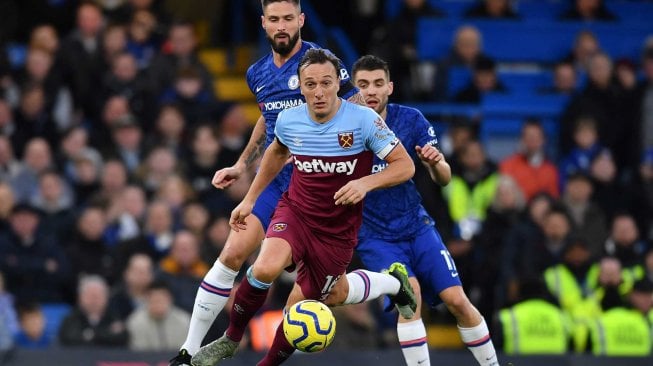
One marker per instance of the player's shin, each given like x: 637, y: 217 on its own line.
x: 478, y: 341
x: 412, y: 339
x: 249, y: 298
x: 367, y: 285
x: 211, y: 298
x: 280, y: 350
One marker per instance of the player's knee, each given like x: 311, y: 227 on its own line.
x: 337, y: 296
x: 456, y: 301
x: 416, y: 289
x: 233, y: 256
x: 264, y: 272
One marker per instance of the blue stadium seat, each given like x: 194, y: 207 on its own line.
x: 54, y: 314
x: 17, y: 54
x: 458, y: 78
x: 520, y: 106
x: 528, y: 81
x: 540, y: 9
x: 631, y: 11
x: 538, y: 41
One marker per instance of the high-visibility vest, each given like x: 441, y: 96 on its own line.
x: 563, y: 285
x: 465, y: 203
x: 263, y: 328
x: 534, y: 327
x: 621, y: 332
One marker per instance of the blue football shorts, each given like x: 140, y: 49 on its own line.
x: 425, y: 257
x: 266, y: 204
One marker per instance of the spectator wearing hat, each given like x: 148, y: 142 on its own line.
x: 35, y: 266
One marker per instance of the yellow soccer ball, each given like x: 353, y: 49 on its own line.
x: 309, y: 326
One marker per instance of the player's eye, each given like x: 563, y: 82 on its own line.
x: 326, y: 83
x: 362, y: 85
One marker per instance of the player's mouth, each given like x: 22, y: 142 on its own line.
x: 282, y: 37
x: 372, y: 103
x: 320, y: 104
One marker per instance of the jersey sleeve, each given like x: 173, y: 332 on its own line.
x: 249, y: 76
x: 379, y: 139
x: 279, y: 129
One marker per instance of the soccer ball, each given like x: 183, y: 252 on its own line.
x: 309, y: 326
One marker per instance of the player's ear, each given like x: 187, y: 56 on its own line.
x: 391, y: 87
x: 263, y: 21
x: 302, y: 17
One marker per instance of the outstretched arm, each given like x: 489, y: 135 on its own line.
x: 274, y: 159
x: 223, y: 178
x: 434, y: 161
x: 400, y: 168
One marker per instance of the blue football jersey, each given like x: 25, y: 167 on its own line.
x: 277, y: 88
x: 396, y: 213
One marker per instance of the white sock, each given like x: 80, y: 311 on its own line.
x: 478, y: 341
x: 366, y: 285
x: 212, y: 295
x: 412, y: 338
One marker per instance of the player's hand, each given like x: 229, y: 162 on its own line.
x: 429, y: 154
x: 351, y: 193
x: 224, y: 177
x: 238, y: 215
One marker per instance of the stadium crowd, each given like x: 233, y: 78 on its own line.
x: 110, y: 133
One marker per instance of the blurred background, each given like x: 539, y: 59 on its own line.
x: 114, y: 115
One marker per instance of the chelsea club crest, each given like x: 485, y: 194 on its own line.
x: 293, y: 82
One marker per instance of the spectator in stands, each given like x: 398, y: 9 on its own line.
x: 91, y: 322
x: 535, y: 325
x: 36, y: 160
x: 588, y: 10
x: 641, y: 297
x: 586, y: 147
x: 585, y: 46
x: 55, y: 201
x: 130, y: 293
x: 128, y: 142
x: 216, y: 237
x: 624, y: 242
x: 35, y: 266
x: 505, y: 212
x: 620, y: 319
x: 32, y: 327
x: 155, y: 326
x: 492, y: 9
x: 126, y: 214
x: 74, y: 145
x: 143, y: 41
x: 529, y: 167
x: 645, y: 91
x: 233, y: 130
x: 124, y: 79
x: 81, y: 58
x: 471, y: 190
x: 7, y: 123
x: 183, y: 269
x: 558, y: 230
x: 397, y: 43
x: 114, y: 108
x: 466, y: 49
x: 614, y: 195
x: 206, y: 159
x: 175, y: 191
x: 124, y: 11
x: 10, y: 168
x: 7, y: 202
x: 114, y: 42
x: 565, y: 80
x: 88, y: 252
x: 33, y: 119
x: 169, y: 131
x: 194, y: 98
x: 7, y: 310
x: 527, y: 230
x: 587, y: 218
x: 195, y: 218
x: 568, y: 281
x: 112, y: 181
x: 644, y: 190
x: 182, y: 54
x: 484, y: 80
x: 159, y: 164
x: 155, y: 240
x: 44, y: 37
